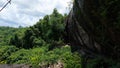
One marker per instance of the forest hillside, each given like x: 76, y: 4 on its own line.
x: 40, y: 45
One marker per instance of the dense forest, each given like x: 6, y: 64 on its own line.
x: 42, y: 44
x: 88, y: 37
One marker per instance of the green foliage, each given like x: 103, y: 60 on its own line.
x: 40, y: 44
x: 15, y: 41
x: 10, y: 35
x: 46, y: 30
x: 38, y: 56
x: 51, y: 27
x: 6, y: 33
x: 5, y: 52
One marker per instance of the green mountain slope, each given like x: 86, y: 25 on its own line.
x: 39, y: 45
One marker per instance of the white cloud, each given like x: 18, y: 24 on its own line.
x: 28, y: 12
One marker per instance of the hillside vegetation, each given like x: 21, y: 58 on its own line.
x: 39, y: 45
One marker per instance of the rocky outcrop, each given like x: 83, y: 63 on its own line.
x: 93, y: 28
x: 59, y: 64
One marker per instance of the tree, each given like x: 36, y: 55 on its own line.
x: 28, y: 39
x: 15, y: 41
x: 47, y: 30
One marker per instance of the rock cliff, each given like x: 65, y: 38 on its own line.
x: 93, y: 28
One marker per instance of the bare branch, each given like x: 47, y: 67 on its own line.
x: 8, y: 1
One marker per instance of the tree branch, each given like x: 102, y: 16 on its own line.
x: 8, y: 1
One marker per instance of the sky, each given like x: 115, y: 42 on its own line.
x: 28, y: 12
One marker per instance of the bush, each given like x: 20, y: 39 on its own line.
x: 5, y: 52
x: 40, y: 55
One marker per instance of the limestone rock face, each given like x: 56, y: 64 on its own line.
x: 93, y: 27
